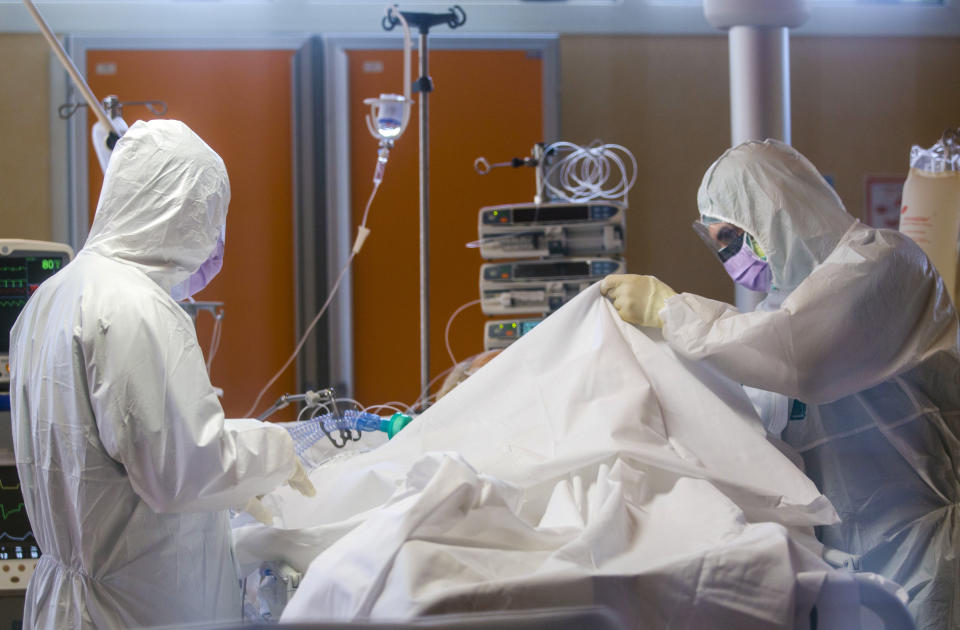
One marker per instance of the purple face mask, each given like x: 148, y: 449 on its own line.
x: 749, y: 270
x: 202, y: 276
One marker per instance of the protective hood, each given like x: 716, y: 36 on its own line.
x: 163, y: 203
x: 777, y: 196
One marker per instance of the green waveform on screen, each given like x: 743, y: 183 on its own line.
x: 5, y: 513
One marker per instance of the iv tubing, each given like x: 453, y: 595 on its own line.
x: 394, y: 12
x: 377, y: 408
x: 446, y: 332
x: 214, y: 340
x: 303, y: 339
x: 71, y: 69
x: 426, y: 398
x: 584, y: 172
x: 355, y: 403
x: 323, y: 309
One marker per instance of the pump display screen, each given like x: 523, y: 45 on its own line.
x: 16, y: 536
x: 527, y: 326
x: 551, y: 270
x: 551, y: 214
x: 19, y: 278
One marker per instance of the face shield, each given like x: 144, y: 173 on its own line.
x: 738, y: 254
x: 723, y: 239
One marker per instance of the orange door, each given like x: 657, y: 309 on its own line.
x: 239, y: 102
x: 485, y: 103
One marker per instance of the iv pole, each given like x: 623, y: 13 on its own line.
x: 74, y: 73
x: 423, y: 21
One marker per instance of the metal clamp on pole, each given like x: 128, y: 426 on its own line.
x: 454, y: 17
x: 537, y: 161
x: 322, y: 398
x: 114, y: 106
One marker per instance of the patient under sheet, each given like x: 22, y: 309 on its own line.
x: 587, y: 464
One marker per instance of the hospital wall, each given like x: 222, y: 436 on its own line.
x: 858, y: 105
x: 24, y: 137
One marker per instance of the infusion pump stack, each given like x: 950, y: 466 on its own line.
x: 23, y: 266
x: 541, y: 256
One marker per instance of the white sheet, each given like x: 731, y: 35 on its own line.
x: 585, y: 464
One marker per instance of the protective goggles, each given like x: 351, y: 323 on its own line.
x: 723, y: 239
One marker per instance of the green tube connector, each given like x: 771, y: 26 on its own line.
x: 396, y: 422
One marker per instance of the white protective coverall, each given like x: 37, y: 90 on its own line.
x: 126, y: 465
x: 859, y: 327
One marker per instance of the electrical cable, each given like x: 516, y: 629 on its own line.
x: 319, y: 410
x: 384, y: 406
x: 425, y: 399
x: 396, y: 403
x: 355, y: 403
x: 453, y: 360
x: 304, y: 410
x: 446, y: 331
x: 214, y: 340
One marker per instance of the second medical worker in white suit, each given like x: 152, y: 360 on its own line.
x: 126, y: 463
x: 854, y: 357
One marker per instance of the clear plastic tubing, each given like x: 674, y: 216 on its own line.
x: 308, y: 432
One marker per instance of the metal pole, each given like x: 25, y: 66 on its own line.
x: 759, y: 43
x: 69, y: 66
x: 759, y: 83
x: 424, y: 222
x: 759, y: 99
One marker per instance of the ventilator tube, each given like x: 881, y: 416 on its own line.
x: 362, y: 421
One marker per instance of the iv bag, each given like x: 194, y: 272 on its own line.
x: 930, y: 210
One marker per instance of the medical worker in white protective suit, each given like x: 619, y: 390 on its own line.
x: 853, y: 357
x: 125, y: 460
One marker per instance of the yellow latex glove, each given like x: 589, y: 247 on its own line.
x: 638, y: 299
x: 300, y: 482
x: 257, y: 510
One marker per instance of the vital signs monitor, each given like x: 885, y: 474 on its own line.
x: 23, y: 266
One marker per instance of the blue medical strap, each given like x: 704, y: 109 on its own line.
x: 798, y: 410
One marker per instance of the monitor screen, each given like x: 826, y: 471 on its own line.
x: 20, y: 275
x: 550, y: 214
x: 558, y: 269
x: 526, y: 327
x: 16, y: 537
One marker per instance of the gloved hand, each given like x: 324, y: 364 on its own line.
x: 300, y: 482
x: 638, y: 299
x: 257, y: 510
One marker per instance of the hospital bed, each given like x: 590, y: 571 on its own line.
x: 586, y: 465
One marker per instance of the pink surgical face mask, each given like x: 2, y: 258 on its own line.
x: 202, y: 276
x: 749, y: 270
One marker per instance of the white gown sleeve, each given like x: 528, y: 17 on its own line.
x: 159, y: 418
x: 875, y: 308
